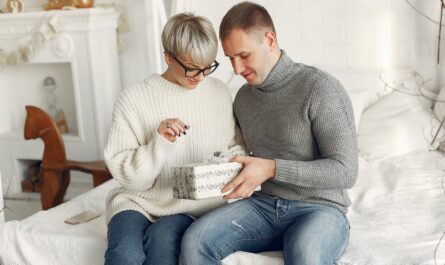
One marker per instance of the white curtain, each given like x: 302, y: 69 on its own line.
x: 178, y: 6
x: 156, y: 18
x: 157, y: 15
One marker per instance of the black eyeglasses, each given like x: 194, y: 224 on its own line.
x: 194, y: 72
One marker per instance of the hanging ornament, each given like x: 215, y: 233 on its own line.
x: 27, y: 45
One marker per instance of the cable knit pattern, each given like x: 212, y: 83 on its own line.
x: 140, y: 159
x: 302, y: 118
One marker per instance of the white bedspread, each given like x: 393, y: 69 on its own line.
x: 397, y: 217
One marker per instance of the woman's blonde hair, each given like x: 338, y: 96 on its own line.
x: 188, y: 35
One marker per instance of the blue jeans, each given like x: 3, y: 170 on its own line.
x: 133, y: 239
x: 307, y: 233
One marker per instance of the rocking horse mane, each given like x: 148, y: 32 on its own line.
x: 40, y: 125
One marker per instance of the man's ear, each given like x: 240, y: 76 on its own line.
x: 270, y: 38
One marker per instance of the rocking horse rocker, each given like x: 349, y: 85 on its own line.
x: 55, y: 168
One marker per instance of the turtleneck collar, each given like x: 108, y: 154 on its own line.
x: 277, y: 74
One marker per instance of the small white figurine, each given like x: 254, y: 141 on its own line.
x: 15, y: 6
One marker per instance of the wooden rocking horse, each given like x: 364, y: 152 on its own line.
x: 55, y: 167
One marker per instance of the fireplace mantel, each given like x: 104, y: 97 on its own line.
x: 71, y: 20
x: 82, y: 57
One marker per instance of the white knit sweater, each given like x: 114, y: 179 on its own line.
x: 140, y: 159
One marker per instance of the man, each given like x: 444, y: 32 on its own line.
x: 298, y: 127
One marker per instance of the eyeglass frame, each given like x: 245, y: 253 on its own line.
x: 201, y: 70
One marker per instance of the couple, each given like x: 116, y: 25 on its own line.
x: 298, y: 129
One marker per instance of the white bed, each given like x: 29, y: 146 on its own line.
x: 397, y: 214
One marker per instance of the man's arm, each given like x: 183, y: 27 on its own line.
x: 334, y: 132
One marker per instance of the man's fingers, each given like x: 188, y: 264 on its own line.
x: 239, y: 159
x: 242, y: 191
x: 234, y: 183
x: 234, y: 194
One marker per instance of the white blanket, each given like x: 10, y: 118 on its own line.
x: 397, y: 217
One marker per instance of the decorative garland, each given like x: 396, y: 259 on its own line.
x: 45, y: 31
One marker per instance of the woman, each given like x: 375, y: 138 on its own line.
x: 175, y: 118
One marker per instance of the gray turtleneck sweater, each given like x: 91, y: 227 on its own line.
x: 302, y: 118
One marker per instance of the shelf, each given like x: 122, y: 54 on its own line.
x: 23, y: 85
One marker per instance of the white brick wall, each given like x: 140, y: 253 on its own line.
x: 370, y: 34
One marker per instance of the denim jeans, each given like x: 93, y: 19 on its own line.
x: 307, y: 233
x: 133, y: 239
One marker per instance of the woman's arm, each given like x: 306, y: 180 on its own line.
x: 134, y: 157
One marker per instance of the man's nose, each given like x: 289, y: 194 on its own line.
x: 238, y: 66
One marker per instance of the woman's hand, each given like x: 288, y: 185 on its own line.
x: 170, y: 128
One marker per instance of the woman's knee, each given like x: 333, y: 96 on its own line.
x: 125, y: 238
x: 124, y: 253
x: 169, y: 229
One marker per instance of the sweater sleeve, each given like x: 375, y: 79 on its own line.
x: 333, y: 128
x: 236, y: 146
x: 134, y: 157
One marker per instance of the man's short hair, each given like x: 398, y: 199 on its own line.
x: 188, y: 35
x: 246, y: 16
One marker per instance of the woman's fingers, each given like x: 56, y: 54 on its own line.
x: 178, y: 126
x: 173, y: 127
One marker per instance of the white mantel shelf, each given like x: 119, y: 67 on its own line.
x: 70, y: 20
x: 83, y: 57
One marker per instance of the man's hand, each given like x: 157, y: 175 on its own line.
x: 255, y: 172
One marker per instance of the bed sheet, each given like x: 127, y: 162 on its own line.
x: 397, y: 217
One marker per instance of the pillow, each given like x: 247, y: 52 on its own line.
x: 359, y: 100
x: 365, y: 87
x: 353, y: 80
x: 396, y: 124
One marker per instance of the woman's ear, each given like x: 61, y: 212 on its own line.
x: 168, y: 58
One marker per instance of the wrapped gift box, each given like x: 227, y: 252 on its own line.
x: 201, y: 181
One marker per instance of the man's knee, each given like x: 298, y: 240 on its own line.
x: 199, y: 243
x: 319, y: 239
x: 195, y: 238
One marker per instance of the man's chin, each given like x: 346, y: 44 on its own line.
x: 253, y: 82
x: 250, y: 80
